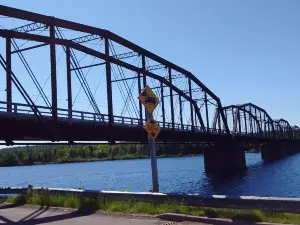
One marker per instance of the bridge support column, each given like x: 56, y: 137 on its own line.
x: 291, y: 148
x: 274, y: 150
x: 271, y: 151
x: 224, y: 158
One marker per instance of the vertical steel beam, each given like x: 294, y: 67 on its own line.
x: 53, y: 72
x: 265, y: 126
x: 171, y: 98
x: 219, y: 121
x: 144, y: 80
x: 180, y: 111
x: 257, y: 125
x: 162, y: 104
x: 250, y: 118
x: 191, y: 105
x: 8, y: 76
x: 260, y: 122
x: 219, y: 118
x: 69, y: 82
x: 239, y: 120
x: 206, y: 110
x: 245, y: 120
x: 140, y: 104
x: 195, y: 120
x: 109, y: 85
x: 269, y: 131
x: 215, y: 119
x: 233, y: 118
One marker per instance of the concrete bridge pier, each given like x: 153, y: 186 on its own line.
x: 274, y: 150
x: 271, y: 151
x: 290, y: 148
x: 224, y: 158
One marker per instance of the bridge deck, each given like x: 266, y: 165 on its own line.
x: 22, y: 124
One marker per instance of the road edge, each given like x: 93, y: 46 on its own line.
x: 175, y: 217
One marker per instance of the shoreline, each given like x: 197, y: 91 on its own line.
x: 109, y: 159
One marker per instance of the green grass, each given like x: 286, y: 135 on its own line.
x: 75, y: 201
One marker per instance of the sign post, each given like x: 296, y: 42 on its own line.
x: 150, y: 101
x: 152, y: 149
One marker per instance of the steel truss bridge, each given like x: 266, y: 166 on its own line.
x: 107, y: 72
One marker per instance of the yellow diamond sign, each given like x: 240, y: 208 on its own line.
x: 152, y: 128
x: 148, y: 99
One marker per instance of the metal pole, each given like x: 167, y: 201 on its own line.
x: 152, y: 149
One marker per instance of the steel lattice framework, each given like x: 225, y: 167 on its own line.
x: 249, y: 119
x: 187, y: 105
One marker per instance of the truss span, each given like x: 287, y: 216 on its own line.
x: 184, y: 98
x: 102, y: 76
x: 250, y: 119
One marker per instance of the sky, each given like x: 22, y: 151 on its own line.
x: 244, y: 51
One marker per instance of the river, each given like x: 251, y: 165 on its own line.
x: 182, y: 174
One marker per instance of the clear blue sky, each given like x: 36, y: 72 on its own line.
x: 244, y: 51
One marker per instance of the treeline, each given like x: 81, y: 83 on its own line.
x: 31, y: 155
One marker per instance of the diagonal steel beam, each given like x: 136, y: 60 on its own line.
x: 30, y: 27
x: 126, y: 55
x: 87, y: 38
x: 35, y: 17
x: 68, y: 43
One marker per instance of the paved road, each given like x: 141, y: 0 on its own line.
x: 29, y: 215
x: 33, y: 215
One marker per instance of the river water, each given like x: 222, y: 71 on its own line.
x: 183, y: 174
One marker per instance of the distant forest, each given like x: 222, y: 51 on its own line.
x: 31, y: 155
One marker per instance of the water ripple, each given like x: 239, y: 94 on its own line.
x: 184, y: 174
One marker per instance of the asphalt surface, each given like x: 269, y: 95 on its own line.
x: 30, y: 215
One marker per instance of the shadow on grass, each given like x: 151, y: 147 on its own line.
x: 17, y: 201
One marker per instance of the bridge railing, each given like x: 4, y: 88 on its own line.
x: 24, y: 109
x: 63, y: 114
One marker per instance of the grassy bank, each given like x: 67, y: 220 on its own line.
x: 87, y: 204
x: 35, y: 155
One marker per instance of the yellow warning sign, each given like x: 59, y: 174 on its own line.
x: 152, y: 128
x: 148, y: 99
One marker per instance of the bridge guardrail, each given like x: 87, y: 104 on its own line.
x: 89, y: 116
x: 291, y: 205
